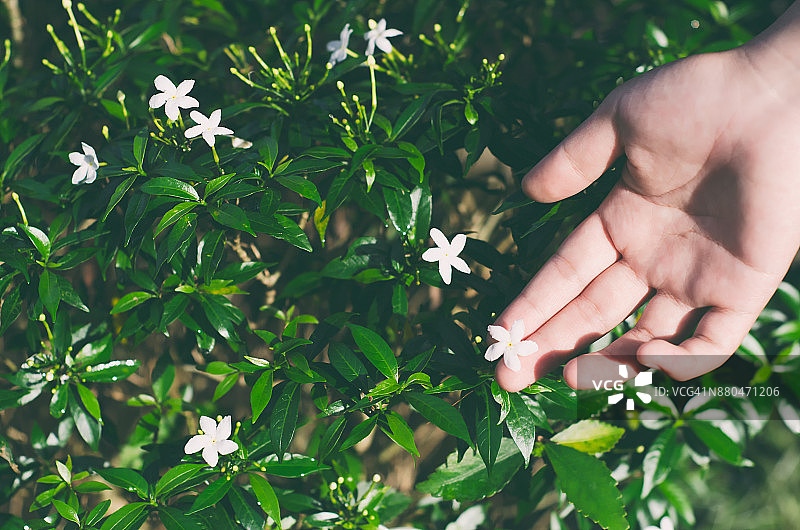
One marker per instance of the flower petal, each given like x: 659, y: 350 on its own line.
x: 495, y: 351
x: 383, y: 44
x: 209, y: 137
x: 91, y: 175
x: 191, y: 132
x: 208, y: 425
x: 196, y: 442
x: 460, y: 264
x: 214, y: 118
x: 440, y: 239
x: 526, y: 347
x: 156, y: 100
x: 171, y: 109
x: 381, y: 27
x: 185, y: 87
x: 445, y: 271
x: 79, y: 174
x: 88, y: 150
x: 457, y: 245
x: 198, y: 118
x: 433, y: 254
x: 333, y: 45
x: 210, y: 455
x: 517, y: 331
x: 370, y: 47
x: 222, y: 131
x: 188, y: 102
x: 499, y: 333
x: 392, y: 33
x: 164, y: 84
x: 511, y: 360
x: 226, y: 447
x: 77, y: 158
x: 223, y: 429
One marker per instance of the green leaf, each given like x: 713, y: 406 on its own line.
x: 129, y: 516
x: 139, y: 147
x: 213, y: 493
x: 127, y: 479
x: 243, y: 513
x: 49, y: 291
x: 162, y: 377
x: 409, y: 117
x: 399, y: 299
x: 657, y: 462
x: 283, y: 420
x: 175, y: 477
x: 225, y: 385
x: 266, y: 497
x: 590, y: 436
x: 467, y: 480
x: 69, y: 296
x: 400, y: 209
x: 522, y: 425
x: 181, y: 232
x: 232, y: 216
x: 118, y: 194
x: 91, y: 486
x: 18, y: 155
x: 676, y: 495
x: 421, y: 206
x: 440, y: 413
x: 359, y: 432
x: 302, y: 186
x: 97, y: 513
x: 89, y: 400
x: 346, y: 362
x: 717, y: 440
x: 12, y: 306
x: 87, y: 426
x: 400, y: 432
x: 170, y: 187
x: 487, y: 431
x: 217, y: 184
x: 211, y: 249
x: 95, y: 352
x: 175, y: 213
x: 58, y: 403
x: 174, y: 519
x: 64, y: 472
x: 110, y: 371
x: 294, y: 466
x: 588, y: 484
x: 131, y: 300
x: 284, y: 228
x: 330, y: 440
x: 66, y: 511
x: 261, y: 394
x: 39, y: 240
x: 375, y: 350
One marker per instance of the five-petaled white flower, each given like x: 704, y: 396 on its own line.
x: 510, y: 345
x: 447, y: 254
x: 173, y: 98
x: 339, y: 47
x: 208, y: 127
x: 378, y: 36
x: 214, y: 440
x: 87, y: 165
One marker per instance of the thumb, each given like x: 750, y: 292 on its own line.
x: 578, y: 160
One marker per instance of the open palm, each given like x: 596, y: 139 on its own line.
x: 702, y: 225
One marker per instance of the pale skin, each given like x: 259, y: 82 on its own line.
x: 702, y: 225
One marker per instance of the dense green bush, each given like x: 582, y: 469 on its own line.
x: 257, y: 271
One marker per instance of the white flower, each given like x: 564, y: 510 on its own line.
x: 173, y: 98
x: 214, y: 440
x: 665, y: 524
x: 208, y: 127
x: 87, y: 165
x: 339, y: 47
x: 447, y: 254
x: 378, y: 35
x: 510, y: 345
x: 240, y: 143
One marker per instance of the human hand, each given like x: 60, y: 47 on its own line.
x: 703, y: 223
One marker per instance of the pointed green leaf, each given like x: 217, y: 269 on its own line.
x: 717, y: 440
x: 174, y: 519
x: 330, y: 440
x: 175, y: 477
x: 400, y: 432
x: 487, y: 431
x: 266, y: 497
x: 261, y: 394
x: 49, y: 291
x: 232, y: 216
x: 175, y: 213
x: 590, y: 436
x: 283, y: 420
x: 359, y: 432
x: 440, y: 413
x: 87, y: 426
x: 131, y: 300
x: 118, y: 194
x: 89, y: 400
x: 346, y: 362
x: 66, y: 511
x: 657, y: 462
x: 213, y: 493
x: 170, y: 187
x: 128, y: 517
x: 588, y: 484
x: 375, y: 350
x: 127, y: 479
x: 522, y: 425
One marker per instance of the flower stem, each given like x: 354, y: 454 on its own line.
x: 74, y: 23
x: 371, y: 64
x: 216, y: 157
